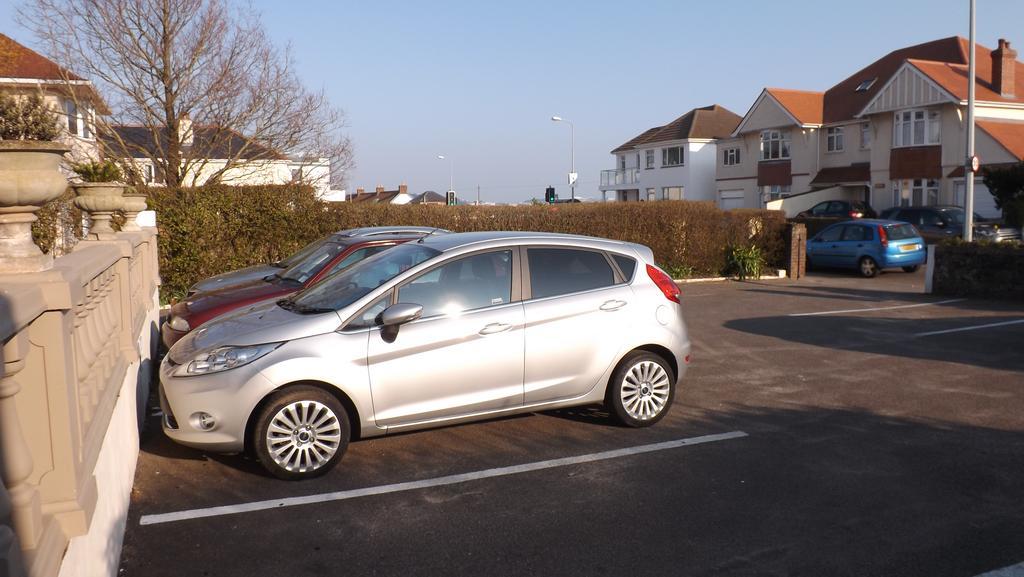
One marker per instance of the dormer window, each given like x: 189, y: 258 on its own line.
x: 866, y: 85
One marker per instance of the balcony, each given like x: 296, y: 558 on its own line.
x: 614, y: 179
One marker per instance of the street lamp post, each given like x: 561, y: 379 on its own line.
x: 970, y: 163
x: 572, y: 154
x: 451, y: 171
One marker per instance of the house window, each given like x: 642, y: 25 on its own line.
x: 650, y: 194
x: 71, y: 111
x: 672, y: 193
x: 296, y: 175
x: 649, y: 158
x: 622, y: 162
x: 87, y: 122
x: 775, y: 191
x: 915, y: 192
x: 916, y: 127
x: 672, y: 156
x: 865, y: 136
x: 834, y: 139
x: 866, y: 85
x: 148, y: 173
x: 774, y: 144
x: 731, y: 156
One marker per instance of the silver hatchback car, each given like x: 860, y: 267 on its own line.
x: 447, y: 329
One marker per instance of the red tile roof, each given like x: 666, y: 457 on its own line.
x: 953, y: 78
x: 804, y: 105
x: 706, y: 123
x: 1007, y: 133
x: 17, y: 61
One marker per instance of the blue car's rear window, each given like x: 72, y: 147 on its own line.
x: 901, y: 231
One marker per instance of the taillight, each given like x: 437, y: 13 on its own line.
x: 665, y: 283
x: 882, y: 237
x: 855, y: 214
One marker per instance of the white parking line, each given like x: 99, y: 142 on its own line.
x: 970, y: 328
x: 426, y: 483
x: 876, y: 308
x: 1011, y: 571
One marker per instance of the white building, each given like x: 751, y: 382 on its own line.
x: 250, y: 162
x: 671, y: 162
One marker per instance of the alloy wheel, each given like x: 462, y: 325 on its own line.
x: 645, y: 390
x: 303, y: 436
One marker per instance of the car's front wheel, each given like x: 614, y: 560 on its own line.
x: 641, y: 389
x: 868, y: 267
x: 301, y: 432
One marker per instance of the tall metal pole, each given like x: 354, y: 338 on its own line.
x: 451, y: 173
x: 572, y: 158
x: 969, y: 164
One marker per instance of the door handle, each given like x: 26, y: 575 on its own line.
x: 612, y: 305
x: 495, y: 328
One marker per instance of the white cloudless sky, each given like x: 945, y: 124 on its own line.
x: 478, y: 81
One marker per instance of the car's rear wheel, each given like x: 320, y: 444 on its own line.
x: 868, y: 267
x: 641, y: 389
x: 301, y: 432
x: 912, y: 268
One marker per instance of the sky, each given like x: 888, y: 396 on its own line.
x: 478, y: 81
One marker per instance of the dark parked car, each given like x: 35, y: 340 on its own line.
x: 839, y: 209
x: 867, y: 245
x: 940, y: 222
x: 336, y: 253
x: 237, y: 277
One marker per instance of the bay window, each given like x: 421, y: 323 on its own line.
x: 915, y: 192
x: 917, y: 127
x: 774, y: 144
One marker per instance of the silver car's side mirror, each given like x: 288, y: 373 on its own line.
x: 395, y: 316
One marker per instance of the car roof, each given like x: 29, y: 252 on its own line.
x: 873, y: 221
x: 349, y: 240
x: 456, y: 240
x: 368, y: 231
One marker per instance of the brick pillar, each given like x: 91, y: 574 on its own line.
x: 796, y: 250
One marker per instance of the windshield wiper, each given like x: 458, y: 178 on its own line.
x: 290, y: 305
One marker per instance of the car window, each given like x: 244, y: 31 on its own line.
x: 305, y: 251
x: 345, y: 288
x: 901, y: 231
x: 836, y: 207
x: 308, y: 267
x: 559, y: 271
x: 820, y: 208
x: 855, y: 232
x: 830, y: 234
x: 626, y: 265
x: 368, y: 318
x: 929, y: 218
x: 464, y: 284
x: 356, y: 256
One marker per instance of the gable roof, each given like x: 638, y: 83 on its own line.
x: 216, y: 143
x: 428, y: 197
x: 1007, y: 133
x: 18, y: 61
x: 953, y: 79
x: 708, y: 122
x: 805, y: 106
x: 383, y: 197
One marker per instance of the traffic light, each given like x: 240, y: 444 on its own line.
x: 549, y: 195
x: 451, y: 200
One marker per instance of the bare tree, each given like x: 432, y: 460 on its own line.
x: 191, y: 77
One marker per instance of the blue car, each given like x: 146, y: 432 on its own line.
x: 868, y: 245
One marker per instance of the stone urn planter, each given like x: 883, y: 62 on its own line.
x: 30, y: 177
x: 134, y: 203
x: 101, y: 200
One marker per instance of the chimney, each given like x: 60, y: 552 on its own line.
x: 1004, y: 61
x: 403, y: 189
x: 360, y: 190
x: 380, y: 189
x: 185, y: 129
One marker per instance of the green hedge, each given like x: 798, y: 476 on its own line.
x: 209, y: 230
x: 979, y: 269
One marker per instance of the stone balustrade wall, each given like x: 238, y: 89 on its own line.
x: 76, y: 358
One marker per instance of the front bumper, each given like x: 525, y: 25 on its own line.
x: 169, y: 336
x: 229, y: 396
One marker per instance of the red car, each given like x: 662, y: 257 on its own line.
x: 335, y: 254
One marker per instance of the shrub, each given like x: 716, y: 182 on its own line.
x: 213, y: 229
x: 979, y: 269
x: 27, y: 118
x: 102, y: 171
x: 1007, y: 186
x: 746, y: 262
x: 59, y: 225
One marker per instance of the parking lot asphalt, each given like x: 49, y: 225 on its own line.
x: 875, y: 432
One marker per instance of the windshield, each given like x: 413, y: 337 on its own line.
x: 295, y: 258
x: 314, y: 262
x: 901, y: 231
x: 956, y: 215
x: 342, y: 289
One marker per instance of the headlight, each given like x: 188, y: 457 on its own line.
x: 179, y: 324
x: 222, y: 359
